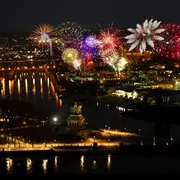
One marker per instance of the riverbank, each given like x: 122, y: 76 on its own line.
x: 107, y: 99
x: 154, y: 113
x: 126, y: 150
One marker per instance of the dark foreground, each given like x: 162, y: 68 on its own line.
x: 126, y: 160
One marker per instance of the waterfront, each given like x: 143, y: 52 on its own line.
x: 92, y: 93
x: 37, y: 89
x: 80, y: 164
x: 97, y: 114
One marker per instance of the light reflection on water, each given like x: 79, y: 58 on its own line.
x: 26, y: 87
x: 109, y: 162
x: 11, y: 84
x: 3, y: 88
x: 55, y: 163
x: 9, y: 163
x: 28, y: 164
x: 82, y: 163
x: 35, y: 88
x: 90, y: 164
x: 44, y: 165
x: 94, y: 164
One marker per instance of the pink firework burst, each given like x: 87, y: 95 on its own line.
x: 170, y: 46
x: 109, y: 41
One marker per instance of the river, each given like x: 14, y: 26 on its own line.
x: 37, y: 89
x: 79, y: 164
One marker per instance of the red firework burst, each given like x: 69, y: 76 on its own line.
x: 109, y: 41
x: 170, y: 46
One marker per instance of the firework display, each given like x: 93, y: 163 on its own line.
x: 69, y: 55
x: 170, y: 47
x: 79, y: 46
x: 45, y: 28
x: 89, y: 48
x: 145, y: 35
x: 42, y: 34
x: 121, y: 63
x: 77, y: 64
x: 109, y: 47
x: 108, y: 41
x: 116, y: 62
x: 70, y: 35
x: 90, y: 42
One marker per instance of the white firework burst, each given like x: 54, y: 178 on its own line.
x: 144, y: 35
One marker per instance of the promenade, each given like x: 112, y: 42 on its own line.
x: 18, y: 144
x: 49, y: 146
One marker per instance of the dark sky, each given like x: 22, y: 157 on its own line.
x: 23, y: 15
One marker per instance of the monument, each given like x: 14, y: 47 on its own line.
x: 76, y: 128
x: 76, y: 119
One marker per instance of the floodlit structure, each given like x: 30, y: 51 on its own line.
x: 76, y: 119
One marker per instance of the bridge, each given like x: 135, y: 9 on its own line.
x: 27, y: 65
x: 30, y: 60
x: 9, y: 72
x: 26, y: 68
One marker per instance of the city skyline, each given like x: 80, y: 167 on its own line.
x: 89, y: 87
x: 20, y: 16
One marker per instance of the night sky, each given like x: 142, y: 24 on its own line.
x: 23, y: 15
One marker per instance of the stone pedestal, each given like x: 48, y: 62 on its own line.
x: 76, y: 121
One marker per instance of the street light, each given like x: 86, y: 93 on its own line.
x: 55, y: 119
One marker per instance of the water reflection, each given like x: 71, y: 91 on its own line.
x: 109, y: 162
x: 82, y: 163
x: 55, y: 162
x: 28, y: 164
x: 3, y: 88
x: 70, y: 164
x: 41, y: 88
x: 154, y: 141
x: 9, y: 163
x: 29, y: 86
x: 10, y: 87
x: 34, y: 87
x: 94, y: 164
x: 26, y: 87
x: 19, y: 88
x: 49, y: 93
x: 44, y: 165
x: 37, y: 89
x: 60, y: 102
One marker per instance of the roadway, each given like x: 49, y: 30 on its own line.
x: 43, y: 146
x: 29, y: 60
x: 20, y: 145
x: 17, y: 128
x: 118, y: 133
x: 25, y: 68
